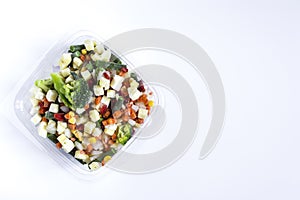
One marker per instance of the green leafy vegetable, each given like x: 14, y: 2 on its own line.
x: 49, y: 115
x: 134, y: 76
x: 115, y: 59
x: 90, y: 67
x: 118, y: 104
x: 98, y: 123
x: 75, y: 76
x: 109, y: 65
x: 52, y: 137
x: 45, y: 84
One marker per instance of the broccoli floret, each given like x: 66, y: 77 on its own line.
x: 45, y: 84
x: 80, y: 93
x: 124, y: 133
x: 75, y: 94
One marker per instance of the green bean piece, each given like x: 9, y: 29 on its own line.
x: 75, y: 48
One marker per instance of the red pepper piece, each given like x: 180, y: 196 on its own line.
x: 59, y: 116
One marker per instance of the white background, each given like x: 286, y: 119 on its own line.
x: 255, y: 46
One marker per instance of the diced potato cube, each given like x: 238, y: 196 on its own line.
x: 86, y: 75
x: 77, y: 62
x: 131, y: 122
x: 94, y: 115
x: 110, y: 129
x: 143, y: 113
x: 80, y: 111
x: 34, y: 110
x: 61, y: 138
x: 69, y: 79
x: 61, y: 126
x: 89, y: 45
x: 51, y: 127
x: 105, y: 100
x: 67, y: 145
x: 94, y: 165
x: 39, y: 95
x: 95, y: 57
x: 135, y: 108
x: 99, y: 49
x: 81, y: 120
x: 134, y: 94
x: 97, y: 132
x: 133, y: 83
x: 89, y: 127
x: 105, y: 56
x: 98, y: 91
x: 34, y: 101
x: 42, y: 129
x: 111, y: 93
x: 78, y: 145
x: 51, y: 95
x: 81, y: 155
x: 65, y: 60
x: 36, y: 119
x: 116, y: 83
x: 34, y: 90
x: 104, y: 83
x: 68, y: 133
x: 53, y: 108
x: 65, y: 72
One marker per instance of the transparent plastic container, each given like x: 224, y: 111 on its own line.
x: 46, y: 66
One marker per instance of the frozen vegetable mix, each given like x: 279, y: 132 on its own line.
x: 92, y: 106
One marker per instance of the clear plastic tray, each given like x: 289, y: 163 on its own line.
x: 22, y: 105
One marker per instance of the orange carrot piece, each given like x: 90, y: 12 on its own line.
x: 98, y: 100
x: 117, y: 114
x: 89, y: 148
x: 86, y: 106
x: 82, y: 57
x: 44, y: 119
x: 67, y: 116
x: 58, y: 145
x: 125, y: 118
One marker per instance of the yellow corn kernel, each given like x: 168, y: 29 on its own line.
x: 77, y: 134
x: 151, y: 103
x: 72, y: 120
x: 106, y: 159
x: 83, y: 51
x: 92, y: 140
x: 71, y: 114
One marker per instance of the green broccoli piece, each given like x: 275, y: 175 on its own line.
x: 45, y: 84
x: 124, y: 133
x: 76, y: 94
x: 80, y: 93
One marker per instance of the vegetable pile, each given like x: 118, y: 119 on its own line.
x: 92, y: 106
